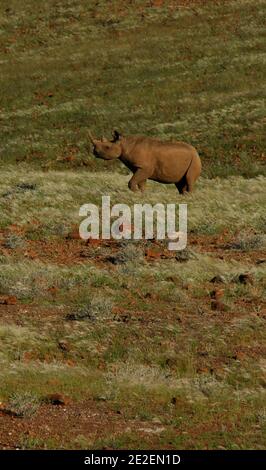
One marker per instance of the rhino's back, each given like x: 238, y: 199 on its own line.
x: 172, y: 163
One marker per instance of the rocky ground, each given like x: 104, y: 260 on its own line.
x: 117, y: 344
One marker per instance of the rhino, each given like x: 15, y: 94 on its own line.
x: 152, y: 159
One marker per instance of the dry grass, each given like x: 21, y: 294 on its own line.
x: 193, y: 73
x: 149, y: 331
x: 143, y: 337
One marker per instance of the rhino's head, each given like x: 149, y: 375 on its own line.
x: 107, y: 149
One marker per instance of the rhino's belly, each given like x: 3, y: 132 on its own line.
x: 171, y: 170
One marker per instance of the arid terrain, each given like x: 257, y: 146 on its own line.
x: 110, y: 344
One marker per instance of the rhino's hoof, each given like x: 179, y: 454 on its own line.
x: 132, y: 187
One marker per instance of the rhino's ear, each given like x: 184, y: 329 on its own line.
x: 116, y: 136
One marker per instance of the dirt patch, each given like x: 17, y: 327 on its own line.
x: 18, y: 314
x: 216, y: 246
x: 66, y: 424
x: 68, y: 251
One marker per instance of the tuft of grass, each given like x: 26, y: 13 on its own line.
x: 247, y: 242
x: 14, y: 241
x: 98, y: 309
x: 34, y: 443
x: 24, y: 405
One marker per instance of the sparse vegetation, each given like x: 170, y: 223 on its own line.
x: 144, y: 348
x: 136, y: 66
x: 23, y: 405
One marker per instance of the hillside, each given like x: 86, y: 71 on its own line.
x: 191, y: 71
x: 123, y: 344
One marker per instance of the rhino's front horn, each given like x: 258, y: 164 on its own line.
x: 104, y: 139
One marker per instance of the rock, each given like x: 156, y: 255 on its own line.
x: 57, y: 399
x: 116, y: 259
x: 7, y: 411
x: 187, y: 285
x: 128, y: 253
x: 218, y: 305
x: 151, y: 254
x: 237, y: 356
x: 2, y: 406
x: 149, y: 295
x: 156, y: 420
x: 14, y: 241
x: 8, y: 300
x: 182, y: 256
x: 122, y: 318
x: 28, y: 356
x: 20, y: 187
x: 93, y: 242
x: 202, y: 370
x: 218, y: 279
x: 174, y: 279
x: 74, y: 235
x: 26, y: 187
x: 64, y: 345
x: 53, y: 290
x: 217, y: 294
x: 153, y: 430
x: 240, y: 356
x: 203, y: 353
x: 85, y: 313
x: 245, y: 278
x: 201, y: 310
x: 216, y: 300
x: 170, y: 361
x: 30, y: 254
x: 101, y: 398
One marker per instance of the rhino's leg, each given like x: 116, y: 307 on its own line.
x: 138, y: 180
x: 182, y: 185
x: 193, y: 172
x: 142, y: 186
x: 184, y: 189
x: 190, y: 181
x: 132, y: 186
